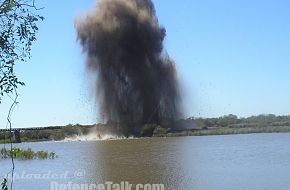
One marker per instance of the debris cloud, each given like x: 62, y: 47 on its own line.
x: 136, y: 79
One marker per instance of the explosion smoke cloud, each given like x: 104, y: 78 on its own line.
x: 136, y: 79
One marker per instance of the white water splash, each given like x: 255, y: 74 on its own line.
x: 94, y: 137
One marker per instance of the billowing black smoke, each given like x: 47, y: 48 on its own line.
x: 136, y: 79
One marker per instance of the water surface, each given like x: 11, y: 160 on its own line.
x: 240, y: 162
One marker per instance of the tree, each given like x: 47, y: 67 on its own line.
x: 17, y: 32
x: 228, y: 120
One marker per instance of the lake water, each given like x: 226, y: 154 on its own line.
x: 233, y: 162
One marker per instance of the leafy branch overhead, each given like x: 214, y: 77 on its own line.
x: 18, y: 30
x: 4, y: 184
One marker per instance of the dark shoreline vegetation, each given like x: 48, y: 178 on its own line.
x: 225, y: 125
x: 26, y: 154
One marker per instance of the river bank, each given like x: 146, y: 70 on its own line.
x: 158, y: 132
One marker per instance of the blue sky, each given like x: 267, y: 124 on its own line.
x: 232, y: 57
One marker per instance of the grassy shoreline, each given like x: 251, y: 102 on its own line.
x: 162, y: 132
x: 7, y: 141
x: 229, y: 131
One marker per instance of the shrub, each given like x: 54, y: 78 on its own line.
x: 26, y: 154
x: 160, y: 132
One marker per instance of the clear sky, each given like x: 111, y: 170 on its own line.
x: 232, y: 57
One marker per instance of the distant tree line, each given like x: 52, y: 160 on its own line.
x: 228, y: 124
x: 48, y: 134
x: 233, y: 121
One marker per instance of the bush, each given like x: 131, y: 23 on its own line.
x: 26, y: 154
x: 160, y: 132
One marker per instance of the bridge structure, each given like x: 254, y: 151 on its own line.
x: 17, y: 131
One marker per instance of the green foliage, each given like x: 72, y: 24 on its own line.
x: 70, y: 130
x: 229, y: 124
x: 26, y: 154
x: 47, y: 134
x: 7, y: 6
x: 160, y: 132
x: 17, y: 32
x: 233, y: 121
x: 4, y: 185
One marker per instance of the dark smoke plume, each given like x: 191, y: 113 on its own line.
x: 136, y: 79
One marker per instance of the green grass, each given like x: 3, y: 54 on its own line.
x: 231, y: 131
x: 24, y: 139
